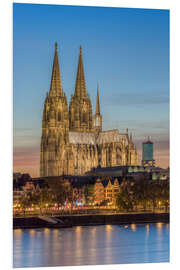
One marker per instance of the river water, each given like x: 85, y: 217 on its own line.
x: 91, y: 245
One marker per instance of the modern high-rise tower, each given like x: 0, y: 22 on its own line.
x: 148, y: 154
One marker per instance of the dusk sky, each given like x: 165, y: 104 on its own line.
x: 125, y: 51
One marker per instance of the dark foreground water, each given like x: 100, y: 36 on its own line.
x: 106, y: 244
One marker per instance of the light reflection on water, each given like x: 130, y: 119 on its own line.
x: 90, y: 245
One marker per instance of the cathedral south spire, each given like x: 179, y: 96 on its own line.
x: 80, y: 109
x: 97, y: 121
x: 80, y: 88
x: 56, y: 86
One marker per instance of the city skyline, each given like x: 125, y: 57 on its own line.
x: 136, y: 46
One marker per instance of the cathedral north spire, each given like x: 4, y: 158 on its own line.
x: 56, y: 86
x: 80, y: 88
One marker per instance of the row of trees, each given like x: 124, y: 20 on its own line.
x: 55, y: 192
x: 149, y: 194
x: 132, y: 195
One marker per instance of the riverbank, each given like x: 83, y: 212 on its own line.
x: 88, y: 220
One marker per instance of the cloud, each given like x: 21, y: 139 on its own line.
x: 26, y: 155
x: 26, y: 160
x: 26, y: 137
x: 157, y: 124
x: 137, y: 99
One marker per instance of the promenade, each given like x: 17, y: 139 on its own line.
x: 87, y: 220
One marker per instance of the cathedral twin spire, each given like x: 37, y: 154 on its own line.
x: 80, y: 88
x: 56, y: 85
x: 80, y: 110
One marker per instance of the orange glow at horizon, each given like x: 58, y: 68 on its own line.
x: 28, y: 160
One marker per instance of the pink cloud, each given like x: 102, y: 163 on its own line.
x: 27, y: 160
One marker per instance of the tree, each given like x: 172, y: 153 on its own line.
x: 165, y: 194
x: 154, y: 192
x: 25, y: 202
x: 61, y: 191
x: 140, y: 193
x: 89, y: 193
x: 42, y: 198
x: 123, y: 200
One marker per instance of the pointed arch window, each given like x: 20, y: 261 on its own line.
x: 59, y: 116
x: 84, y: 117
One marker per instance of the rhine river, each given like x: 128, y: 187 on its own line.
x: 91, y: 245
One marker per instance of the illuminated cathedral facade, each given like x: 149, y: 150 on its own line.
x: 73, y: 140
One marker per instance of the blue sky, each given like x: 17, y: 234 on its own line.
x: 125, y: 51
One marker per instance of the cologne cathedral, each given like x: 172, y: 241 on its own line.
x: 73, y: 141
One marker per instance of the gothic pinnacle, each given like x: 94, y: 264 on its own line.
x: 131, y: 136
x: 56, y: 46
x: 97, y: 102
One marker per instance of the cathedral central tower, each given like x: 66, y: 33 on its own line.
x: 80, y: 111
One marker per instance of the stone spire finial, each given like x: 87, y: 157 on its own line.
x: 56, y: 46
x: 80, y: 88
x: 131, y: 137
x: 56, y: 87
x: 97, y: 101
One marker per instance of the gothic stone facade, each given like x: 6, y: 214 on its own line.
x: 72, y: 140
